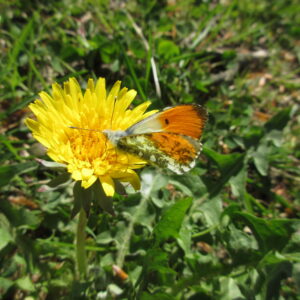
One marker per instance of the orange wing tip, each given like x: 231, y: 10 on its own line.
x: 185, y: 119
x: 202, y: 112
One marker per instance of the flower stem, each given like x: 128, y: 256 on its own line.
x: 80, y: 244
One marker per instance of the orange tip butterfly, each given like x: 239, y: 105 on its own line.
x: 168, y: 139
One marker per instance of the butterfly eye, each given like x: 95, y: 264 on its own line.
x: 167, y: 121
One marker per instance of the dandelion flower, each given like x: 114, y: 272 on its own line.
x: 88, y: 154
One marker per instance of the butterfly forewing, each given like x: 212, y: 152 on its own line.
x: 167, y: 150
x: 185, y: 119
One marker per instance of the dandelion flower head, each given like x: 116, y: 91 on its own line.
x: 88, y: 154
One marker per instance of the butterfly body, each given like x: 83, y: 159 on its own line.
x: 169, y: 139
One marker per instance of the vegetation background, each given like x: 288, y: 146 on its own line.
x: 226, y: 230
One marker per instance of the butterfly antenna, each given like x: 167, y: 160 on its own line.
x: 113, y: 111
x: 111, y: 122
x: 74, y: 127
x: 112, y: 116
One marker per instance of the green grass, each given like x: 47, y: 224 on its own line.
x: 226, y: 230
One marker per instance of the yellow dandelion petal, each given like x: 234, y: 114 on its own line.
x: 87, y: 183
x: 86, y: 173
x: 42, y: 140
x: 113, y: 94
x: 57, y: 91
x: 122, y: 93
x: 138, y: 111
x: 76, y: 175
x: 91, y: 85
x: 131, y: 177
x: 124, y: 103
x: 47, y: 101
x: 88, y: 154
x: 100, y: 89
x: 108, y: 185
x: 32, y: 125
x: 73, y: 89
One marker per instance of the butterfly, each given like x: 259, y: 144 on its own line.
x: 168, y: 139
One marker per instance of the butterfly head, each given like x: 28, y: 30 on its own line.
x: 114, y: 135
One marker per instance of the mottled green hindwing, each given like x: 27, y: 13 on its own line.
x: 160, y: 154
